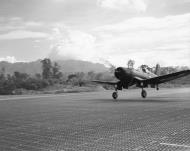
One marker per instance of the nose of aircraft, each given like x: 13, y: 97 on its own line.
x: 121, y: 73
x: 118, y: 72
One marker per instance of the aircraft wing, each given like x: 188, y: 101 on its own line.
x: 106, y: 82
x: 138, y: 79
x: 166, y: 78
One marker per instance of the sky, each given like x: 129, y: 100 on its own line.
x: 147, y: 31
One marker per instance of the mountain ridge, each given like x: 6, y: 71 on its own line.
x: 66, y: 66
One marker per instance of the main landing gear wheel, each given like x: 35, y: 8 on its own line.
x: 115, y: 95
x: 143, y: 93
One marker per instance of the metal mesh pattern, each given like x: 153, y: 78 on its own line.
x: 85, y: 122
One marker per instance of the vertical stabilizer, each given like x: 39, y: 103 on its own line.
x: 157, y: 70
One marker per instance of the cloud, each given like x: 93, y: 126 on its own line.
x: 124, y: 5
x: 148, y: 33
x: 148, y: 40
x: 72, y: 44
x: 59, y: 1
x: 10, y: 59
x: 17, y: 23
x: 22, y: 34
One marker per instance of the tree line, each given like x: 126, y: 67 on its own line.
x: 51, y: 75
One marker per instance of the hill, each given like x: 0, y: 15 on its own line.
x: 67, y: 66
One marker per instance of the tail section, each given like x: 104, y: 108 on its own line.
x: 157, y: 70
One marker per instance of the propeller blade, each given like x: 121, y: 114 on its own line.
x: 112, y: 68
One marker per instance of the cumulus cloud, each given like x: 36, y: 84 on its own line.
x: 148, y: 40
x: 124, y: 5
x: 10, y: 59
x: 72, y: 44
x: 22, y: 34
x: 148, y: 33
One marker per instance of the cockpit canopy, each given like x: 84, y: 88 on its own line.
x: 144, y: 69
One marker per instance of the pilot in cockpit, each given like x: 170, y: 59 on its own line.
x: 144, y: 70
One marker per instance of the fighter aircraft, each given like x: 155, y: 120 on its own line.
x: 141, y: 78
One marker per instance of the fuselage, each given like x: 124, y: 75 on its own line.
x: 127, y: 76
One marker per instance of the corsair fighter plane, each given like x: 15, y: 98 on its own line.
x: 141, y: 78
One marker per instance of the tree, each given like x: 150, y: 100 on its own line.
x: 77, y: 78
x: 91, y: 75
x: 2, y: 71
x: 71, y: 76
x: 38, y: 76
x: 157, y: 69
x: 56, y: 71
x: 130, y: 64
x: 2, y: 74
x: 7, y: 86
x: 20, y: 79
x: 20, y: 76
x: 72, y: 79
x: 46, y: 68
x: 99, y: 76
x: 80, y: 78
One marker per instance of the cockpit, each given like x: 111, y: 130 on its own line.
x: 144, y: 69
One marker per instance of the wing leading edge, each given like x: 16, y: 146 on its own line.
x: 106, y: 82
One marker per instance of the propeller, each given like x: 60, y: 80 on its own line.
x: 112, y: 68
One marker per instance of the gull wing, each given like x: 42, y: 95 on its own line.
x: 166, y: 78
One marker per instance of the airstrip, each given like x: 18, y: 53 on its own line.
x: 93, y: 121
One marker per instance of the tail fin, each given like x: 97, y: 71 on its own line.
x: 157, y: 70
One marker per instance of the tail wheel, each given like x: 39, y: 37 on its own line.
x: 115, y: 95
x: 143, y: 93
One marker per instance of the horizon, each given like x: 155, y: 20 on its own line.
x: 146, y: 31
x: 101, y: 63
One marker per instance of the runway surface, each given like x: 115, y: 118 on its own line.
x: 94, y: 122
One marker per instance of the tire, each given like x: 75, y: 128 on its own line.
x: 143, y: 93
x: 115, y: 95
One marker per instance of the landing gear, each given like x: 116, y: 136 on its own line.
x: 143, y: 93
x: 157, y: 88
x: 115, y: 95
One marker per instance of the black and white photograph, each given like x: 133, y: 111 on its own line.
x: 94, y: 75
